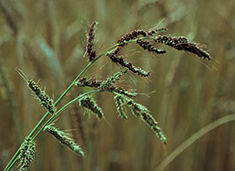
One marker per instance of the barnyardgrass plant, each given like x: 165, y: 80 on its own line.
x: 123, y: 97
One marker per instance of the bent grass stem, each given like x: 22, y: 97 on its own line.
x: 213, y: 125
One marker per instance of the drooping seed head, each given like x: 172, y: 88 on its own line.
x: 90, y: 104
x: 64, y: 139
x: 120, y: 102
x: 182, y: 43
x: 143, y: 113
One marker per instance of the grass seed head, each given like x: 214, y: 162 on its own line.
x: 26, y: 156
x: 143, y: 113
x: 44, y: 99
x: 89, y: 103
x: 181, y: 43
x: 120, y: 102
x: 64, y: 139
x: 90, y: 49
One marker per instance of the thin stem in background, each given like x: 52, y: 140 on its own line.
x: 10, y: 21
x: 192, y: 139
x: 12, y: 102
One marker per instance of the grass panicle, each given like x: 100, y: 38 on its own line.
x: 44, y: 99
x: 26, y: 156
x: 182, y: 43
x: 179, y: 43
x: 89, y: 103
x: 120, y: 102
x: 64, y: 139
x: 90, y: 49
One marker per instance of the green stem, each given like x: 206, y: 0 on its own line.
x: 193, y: 138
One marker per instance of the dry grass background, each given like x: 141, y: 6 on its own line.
x: 46, y: 39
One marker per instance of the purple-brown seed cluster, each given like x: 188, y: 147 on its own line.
x: 90, y: 42
x: 181, y: 43
x: 143, y: 38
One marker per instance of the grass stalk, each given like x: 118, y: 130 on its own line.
x: 192, y: 139
x: 62, y: 109
x: 11, y: 99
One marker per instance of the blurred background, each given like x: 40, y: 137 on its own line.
x: 46, y: 39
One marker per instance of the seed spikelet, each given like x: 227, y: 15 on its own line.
x: 44, y: 99
x: 89, y: 103
x: 64, y: 139
x: 26, y: 156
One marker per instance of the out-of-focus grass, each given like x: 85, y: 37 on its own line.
x: 184, y: 93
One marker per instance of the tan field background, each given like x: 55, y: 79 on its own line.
x: 46, y: 39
